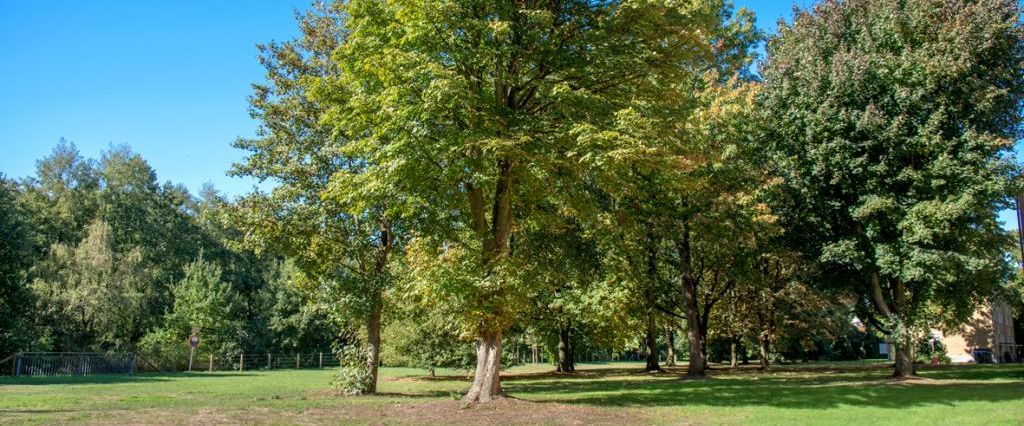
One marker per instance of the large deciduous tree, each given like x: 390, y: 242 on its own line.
x: 343, y: 243
x: 478, y: 109
x: 689, y: 184
x: 893, y: 122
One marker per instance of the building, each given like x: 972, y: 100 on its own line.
x: 991, y: 328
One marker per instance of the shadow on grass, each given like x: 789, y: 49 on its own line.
x: 779, y: 389
x: 973, y: 372
x: 111, y: 379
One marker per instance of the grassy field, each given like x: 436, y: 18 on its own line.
x: 598, y: 394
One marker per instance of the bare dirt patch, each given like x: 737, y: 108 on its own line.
x: 512, y: 411
x: 505, y: 411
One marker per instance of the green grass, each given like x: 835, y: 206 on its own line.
x: 834, y: 393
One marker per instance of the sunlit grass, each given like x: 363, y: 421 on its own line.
x: 844, y: 393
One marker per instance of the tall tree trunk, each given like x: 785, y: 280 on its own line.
x: 704, y: 342
x: 670, y: 341
x: 373, y: 347
x: 651, y: 344
x: 487, y: 381
x: 904, y: 366
x: 650, y: 339
x: 696, y: 367
x: 732, y: 350
x: 765, y: 346
x: 566, y: 363
x: 496, y: 240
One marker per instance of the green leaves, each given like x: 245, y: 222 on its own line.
x: 889, y: 121
x: 94, y: 297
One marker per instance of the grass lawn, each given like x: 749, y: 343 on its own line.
x: 833, y: 393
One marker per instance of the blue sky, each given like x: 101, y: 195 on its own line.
x: 169, y: 79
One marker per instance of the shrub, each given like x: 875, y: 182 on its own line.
x: 352, y: 377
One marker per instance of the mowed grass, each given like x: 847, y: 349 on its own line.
x: 618, y: 393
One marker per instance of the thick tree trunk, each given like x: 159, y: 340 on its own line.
x: 486, y: 382
x: 904, y: 366
x: 765, y: 346
x: 566, y: 363
x: 651, y: 344
x: 670, y: 342
x: 696, y: 367
x: 373, y: 347
x: 732, y: 350
x: 496, y: 243
x: 650, y: 341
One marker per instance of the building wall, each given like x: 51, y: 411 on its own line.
x: 991, y: 327
x: 1002, y: 325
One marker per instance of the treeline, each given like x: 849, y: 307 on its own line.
x: 99, y: 256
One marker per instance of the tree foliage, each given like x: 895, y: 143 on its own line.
x: 93, y: 298
x: 893, y: 123
x: 15, y: 260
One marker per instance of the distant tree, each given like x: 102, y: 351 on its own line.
x: 91, y: 297
x: 16, y: 256
x: 160, y: 220
x: 62, y: 196
x: 631, y: 241
x: 893, y: 123
x: 294, y: 323
x: 206, y: 305
x: 423, y: 335
x: 777, y: 300
x: 568, y: 294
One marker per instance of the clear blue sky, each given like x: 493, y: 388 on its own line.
x: 169, y: 79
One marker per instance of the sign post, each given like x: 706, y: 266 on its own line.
x: 193, y: 343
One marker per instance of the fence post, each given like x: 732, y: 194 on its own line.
x: 211, y: 363
x: 268, y: 361
x: 296, y: 361
x: 321, y: 360
x: 241, y: 362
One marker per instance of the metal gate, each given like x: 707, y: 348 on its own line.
x: 44, y: 364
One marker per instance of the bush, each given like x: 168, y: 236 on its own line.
x: 925, y: 352
x: 352, y: 377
